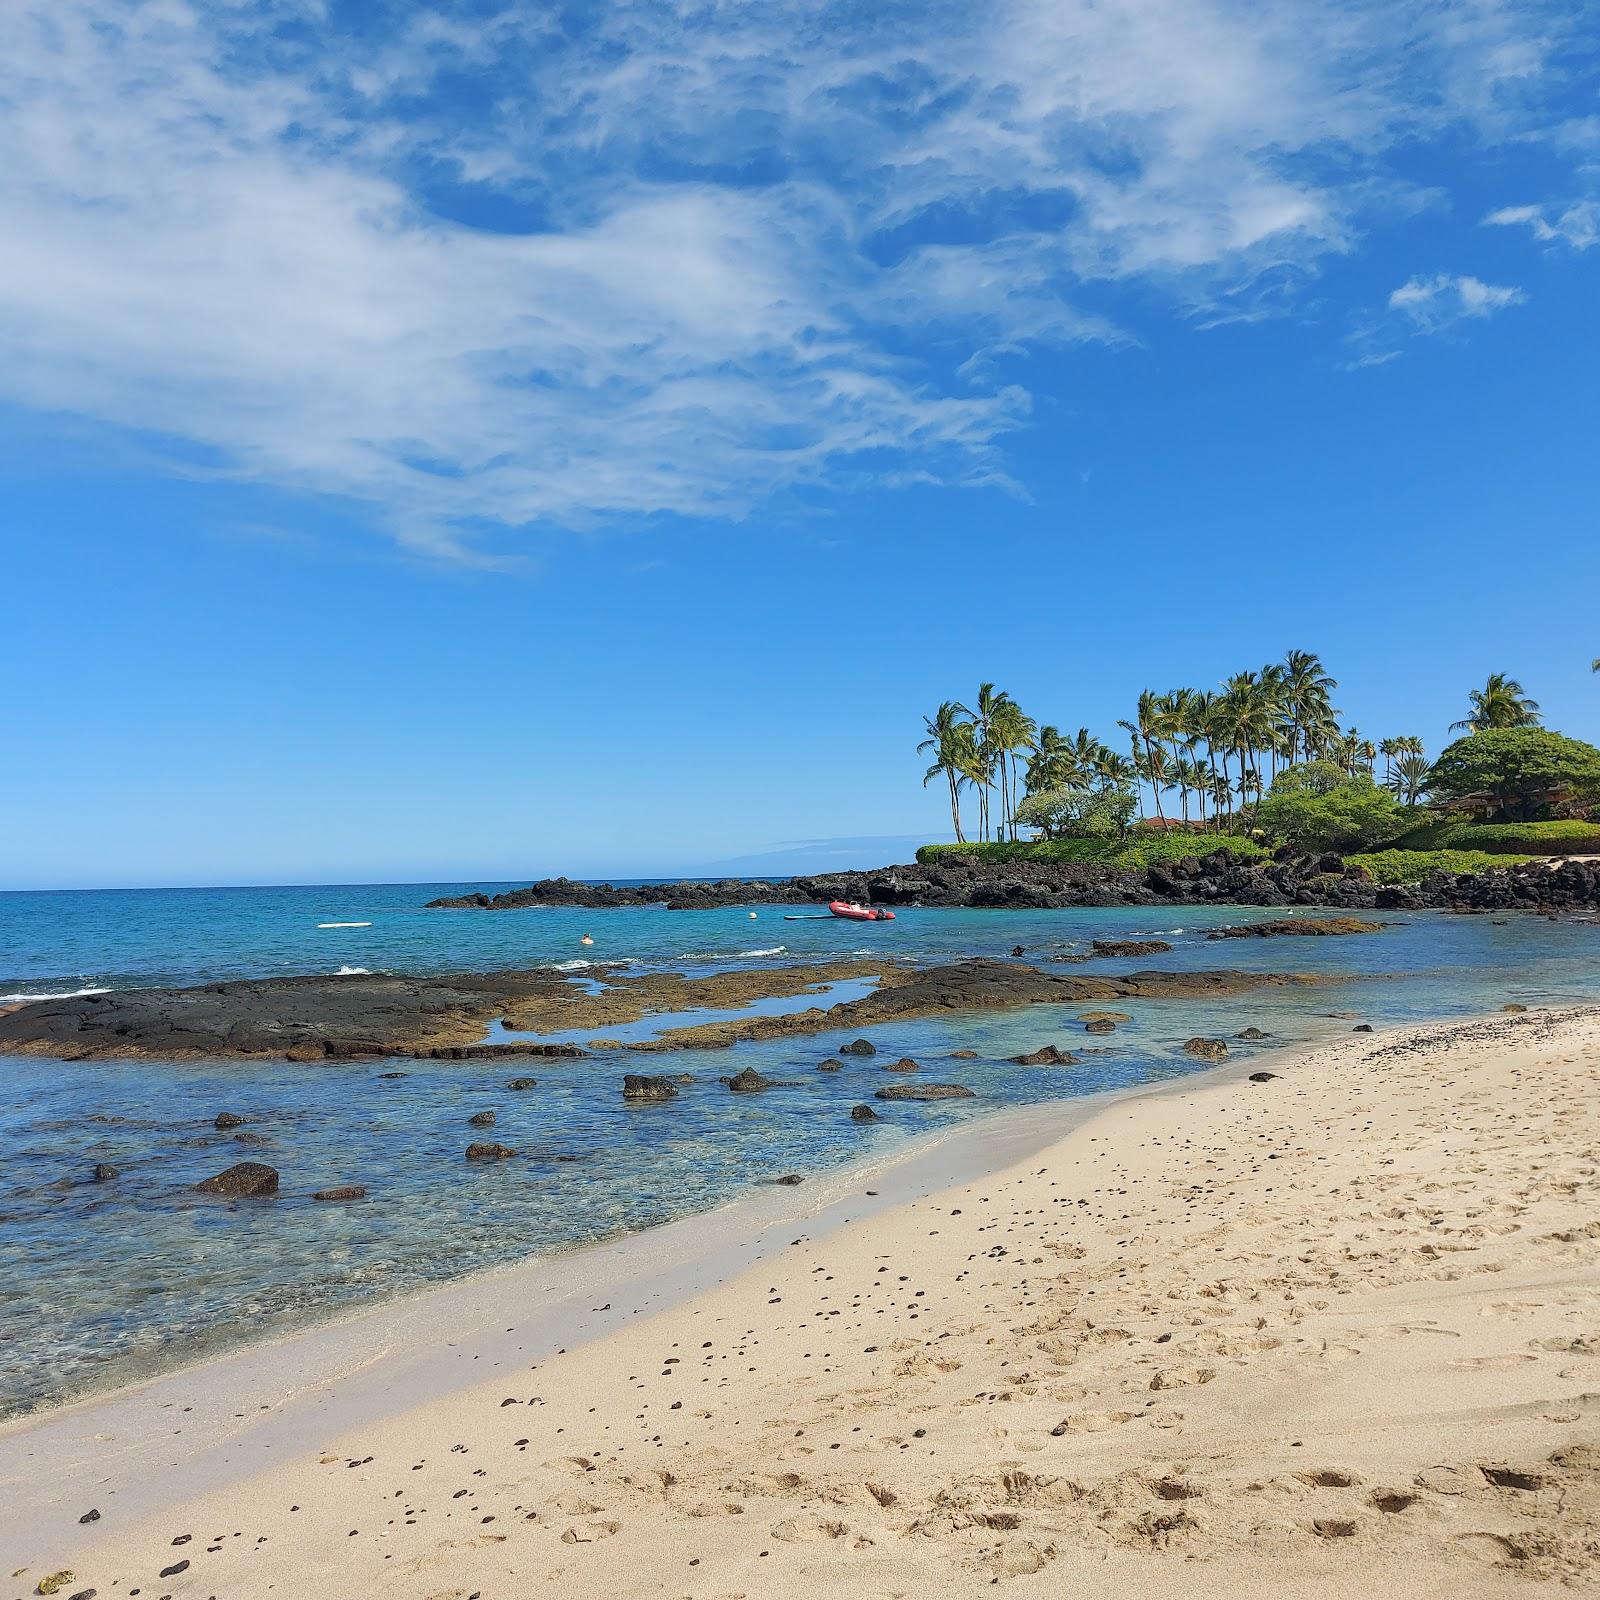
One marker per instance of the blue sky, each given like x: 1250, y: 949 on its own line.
x: 481, y: 440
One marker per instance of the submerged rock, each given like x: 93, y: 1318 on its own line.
x: 243, y: 1180
x: 104, y: 1172
x: 1100, y: 1025
x: 925, y: 1091
x: 1282, y: 927
x: 904, y: 1064
x: 789, y: 1179
x: 635, y: 1086
x: 832, y: 1064
x: 858, y: 1047
x: 523, y: 1083
x: 963, y: 1055
x: 481, y: 1119
x: 864, y: 1114
x: 748, y: 1082
x: 1251, y: 1035
x: 226, y: 1119
x: 1047, y: 1056
x: 342, y: 1191
x: 1208, y: 1049
x: 1129, y: 947
x: 489, y: 1152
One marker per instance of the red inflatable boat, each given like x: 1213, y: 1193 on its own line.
x: 844, y: 908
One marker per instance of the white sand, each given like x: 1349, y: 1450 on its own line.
x: 1336, y: 1334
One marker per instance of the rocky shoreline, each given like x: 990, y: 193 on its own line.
x: 372, y: 1016
x: 1213, y: 877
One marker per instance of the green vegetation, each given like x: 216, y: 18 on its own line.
x: 1263, y: 759
x: 1518, y: 774
x: 1310, y: 808
x: 1411, y: 866
x: 1509, y: 838
x: 1134, y: 855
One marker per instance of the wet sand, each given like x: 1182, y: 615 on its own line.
x: 1337, y: 1332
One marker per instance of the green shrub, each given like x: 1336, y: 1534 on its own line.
x: 1411, y: 866
x: 1307, y: 810
x: 1137, y: 853
x: 1512, y: 838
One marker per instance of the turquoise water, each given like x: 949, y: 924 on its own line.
x: 101, y: 1283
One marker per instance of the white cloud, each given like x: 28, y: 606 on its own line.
x: 1578, y: 225
x: 1431, y: 304
x: 738, y: 249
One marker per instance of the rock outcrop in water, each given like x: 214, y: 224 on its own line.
x: 1208, y: 877
x: 356, y: 1018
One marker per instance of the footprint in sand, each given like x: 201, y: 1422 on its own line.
x: 1477, y: 1363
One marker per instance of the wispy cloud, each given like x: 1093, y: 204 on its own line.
x: 1578, y: 225
x: 491, y: 271
x: 1438, y: 302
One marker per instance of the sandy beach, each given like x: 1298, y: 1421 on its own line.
x: 1336, y: 1332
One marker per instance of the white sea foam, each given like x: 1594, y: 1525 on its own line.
x: 776, y: 950
x: 352, y: 972
x: 571, y: 966
x: 60, y: 994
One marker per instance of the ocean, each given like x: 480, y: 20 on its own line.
x: 105, y: 1283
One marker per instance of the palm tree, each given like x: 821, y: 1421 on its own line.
x: 1410, y: 776
x: 950, y: 740
x: 1306, y: 691
x: 1249, y: 718
x: 981, y: 771
x: 1146, y: 730
x: 1012, y: 732
x: 1500, y: 703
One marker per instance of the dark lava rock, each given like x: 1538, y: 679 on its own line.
x: 637, y: 1087
x: 832, y: 1064
x: 924, y: 1091
x: 790, y: 1179
x: 1262, y: 1077
x: 226, y: 1119
x: 1100, y: 1025
x: 858, y: 1047
x: 1047, y: 1056
x: 394, y: 1074
x: 1513, y: 1008
x: 1252, y: 1034
x: 1209, y: 1049
x: 523, y: 1083
x: 481, y: 1119
x: 246, y: 1179
x: 489, y: 1152
x: 864, y: 1114
x: 904, y: 1064
x: 1302, y: 926
x: 104, y: 1172
x: 1129, y: 947
x: 748, y: 1081
x: 963, y: 1055
x: 251, y: 1138
x: 343, y: 1191
x: 89, y: 1516
x: 1362, y: 1027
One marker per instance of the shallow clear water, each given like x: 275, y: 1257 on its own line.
x: 100, y: 1283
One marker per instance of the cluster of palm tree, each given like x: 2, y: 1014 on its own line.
x: 1214, y: 749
